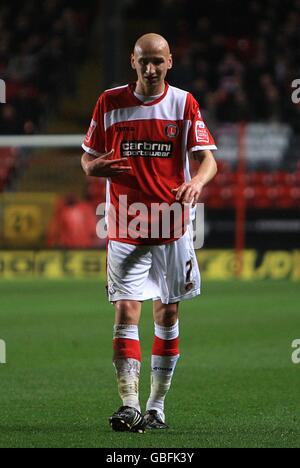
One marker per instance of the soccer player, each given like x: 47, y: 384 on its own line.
x: 140, y: 139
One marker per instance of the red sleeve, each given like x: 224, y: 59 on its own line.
x: 199, y: 137
x: 94, y: 142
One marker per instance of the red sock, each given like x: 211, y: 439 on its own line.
x: 166, y: 341
x: 165, y: 347
x: 126, y: 343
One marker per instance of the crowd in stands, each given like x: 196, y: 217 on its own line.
x: 238, y: 58
x: 40, y: 45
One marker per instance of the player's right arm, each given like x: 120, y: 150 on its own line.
x: 97, y: 161
x: 103, y: 165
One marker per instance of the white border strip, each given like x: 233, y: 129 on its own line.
x: 39, y: 141
x: 90, y: 150
x: 203, y: 147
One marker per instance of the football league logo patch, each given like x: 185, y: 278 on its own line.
x: 201, y: 132
x: 171, y: 130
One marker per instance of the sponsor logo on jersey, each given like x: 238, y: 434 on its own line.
x: 91, y: 131
x: 171, y: 130
x: 146, y: 149
x: 201, y: 132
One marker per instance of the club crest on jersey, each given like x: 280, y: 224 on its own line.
x: 171, y: 130
x: 201, y: 132
x: 91, y: 131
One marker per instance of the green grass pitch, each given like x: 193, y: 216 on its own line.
x: 235, y: 384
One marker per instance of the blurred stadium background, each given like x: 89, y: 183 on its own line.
x: 241, y: 70
x: 239, y: 59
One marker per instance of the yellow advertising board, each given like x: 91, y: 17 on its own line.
x: 221, y: 264
x: 214, y: 264
x: 53, y: 264
x: 24, y: 218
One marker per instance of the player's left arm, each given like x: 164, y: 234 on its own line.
x: 189, y: 192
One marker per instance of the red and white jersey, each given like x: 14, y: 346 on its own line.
x: 157, y: 138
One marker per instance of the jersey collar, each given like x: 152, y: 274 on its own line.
x: 132, y: 87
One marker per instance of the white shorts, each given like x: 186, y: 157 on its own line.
x: 167, y: 272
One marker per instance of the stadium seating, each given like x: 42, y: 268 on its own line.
x: 262, y: 190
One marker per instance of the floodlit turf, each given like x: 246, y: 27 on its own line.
x: 235, y: 385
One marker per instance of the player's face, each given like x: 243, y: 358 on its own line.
x: 151, y: 67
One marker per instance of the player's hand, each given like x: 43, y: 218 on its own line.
x: 189, y: 192
x: 104, y: 166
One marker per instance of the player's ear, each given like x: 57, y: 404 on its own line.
x: 133, y: 62
x: 170, y: 62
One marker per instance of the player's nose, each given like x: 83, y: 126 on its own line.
x: 150, y: 70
